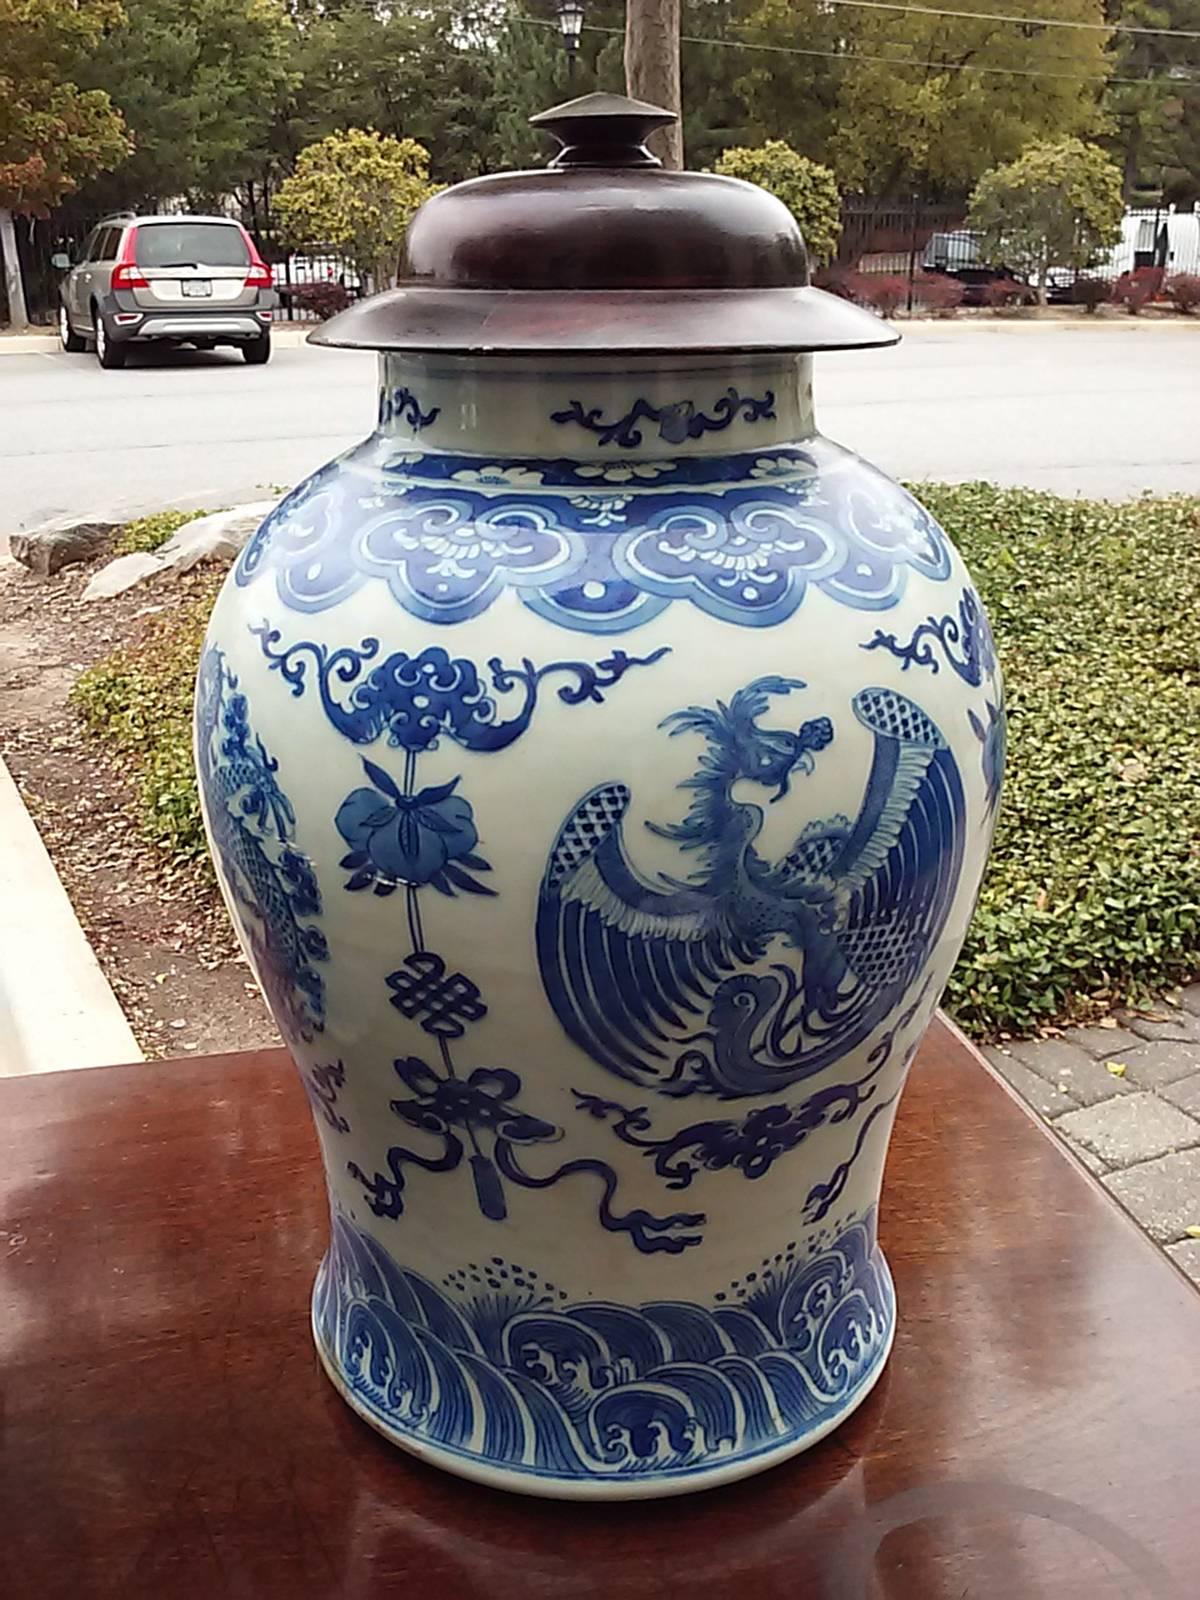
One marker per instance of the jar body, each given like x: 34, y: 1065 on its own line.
x: 600, y: 769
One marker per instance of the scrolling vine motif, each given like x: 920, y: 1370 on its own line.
x: 417, y: 699
x: 676, y: 423
x: 752, y: 1145
x: 968, y: 633
x: 322, y: 1084
x: 403, y: 404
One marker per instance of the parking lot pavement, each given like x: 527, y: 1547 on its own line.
x: 1107, y: 412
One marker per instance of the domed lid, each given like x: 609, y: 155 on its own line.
x: 604, y: 251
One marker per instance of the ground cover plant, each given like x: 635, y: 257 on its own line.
x: 1092, y: 899
x: 138, y: 700
x: 152, y: 532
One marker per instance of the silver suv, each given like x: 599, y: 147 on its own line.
x: 174, y: 280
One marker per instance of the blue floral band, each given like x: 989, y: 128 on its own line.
x: 598, y: 547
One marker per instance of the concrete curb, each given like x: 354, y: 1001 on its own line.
x: 968, y: 324
x: 285, y: 335
x: 288, y: 336
x: 57, y: 1010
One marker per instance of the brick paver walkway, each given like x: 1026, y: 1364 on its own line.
x: 1138, y: 1131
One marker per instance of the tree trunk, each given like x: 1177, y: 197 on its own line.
x: 17, y: 315
x: 652, y: 68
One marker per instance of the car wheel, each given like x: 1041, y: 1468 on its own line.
x: 109, y: 354
x: 256, y: 352
x: 71, y: 341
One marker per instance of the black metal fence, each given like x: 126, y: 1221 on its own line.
x: 312, y: 282
x: 922, y: 242
x: 906, y: 252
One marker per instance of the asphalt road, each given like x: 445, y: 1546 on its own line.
x: 1105, y: 412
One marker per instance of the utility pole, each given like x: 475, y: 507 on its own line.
x: 17, y: 315
x: 652, y: 69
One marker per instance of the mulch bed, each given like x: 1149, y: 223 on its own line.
x: 160, y: 933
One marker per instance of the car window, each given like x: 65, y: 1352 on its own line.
x: 88, y: 252
x: 106, y: 244
x: 200, y: 244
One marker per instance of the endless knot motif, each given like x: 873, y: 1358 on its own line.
x: 442, y: 1002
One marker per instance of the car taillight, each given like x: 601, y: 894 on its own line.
x: 127, y: 274
x: 258, y: 275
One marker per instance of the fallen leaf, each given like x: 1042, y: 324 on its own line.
x: 1192, y: 1232
x: 1117, y: 1068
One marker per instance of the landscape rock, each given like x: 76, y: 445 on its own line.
x: 61, y: 543
x: 122, y: 574
x: 216, y: 537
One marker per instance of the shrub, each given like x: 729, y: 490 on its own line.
x: 1183, y: 291
x: 1057, y: 205
x: 324, y: 299
x: 939, y: 294
x: 1003, y: 294
x: 807, y: 189
x: 1093, y: 893
x: 139, y: 701
x: 884, y: 294
x: 842, y: 281
x: 1090, y: 293
x: 148, y: 533
x: 357, y: 190
x: 1135, y: 290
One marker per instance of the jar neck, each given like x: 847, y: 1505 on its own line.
x: 615, y: 409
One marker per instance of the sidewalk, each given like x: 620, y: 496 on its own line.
x: 1137, y: 1129
x: 56, y: 1008
x: 284, y: 334
x: 290, y: 334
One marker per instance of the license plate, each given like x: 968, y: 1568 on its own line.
x: 197, y: 286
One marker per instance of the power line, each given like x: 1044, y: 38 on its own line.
x: 859, y: 55
x: 1026, y: 22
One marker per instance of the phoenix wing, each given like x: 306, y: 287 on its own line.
x: 894, y: 872
x: 628, y: 968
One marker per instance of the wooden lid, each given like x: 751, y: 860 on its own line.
x: 604, y: 250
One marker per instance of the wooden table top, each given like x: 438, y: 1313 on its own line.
x: 166, y: 1430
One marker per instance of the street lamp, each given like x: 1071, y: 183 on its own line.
x: 570, y: 21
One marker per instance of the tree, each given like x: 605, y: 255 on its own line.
x: 423, y: 73
x: 356, y: 190
x: 527, y: 68
x: 1055, y: 206
x: 52, y: 133
x: 785, y: 96
x: 907, y: 99
x: 1154, y: 125
x: 807, y: 189
x: 199, y: 83
x: 652, y: 29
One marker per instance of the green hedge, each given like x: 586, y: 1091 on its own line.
x: 1093, y: 895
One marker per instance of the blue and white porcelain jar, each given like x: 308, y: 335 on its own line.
x: 600, y: 768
